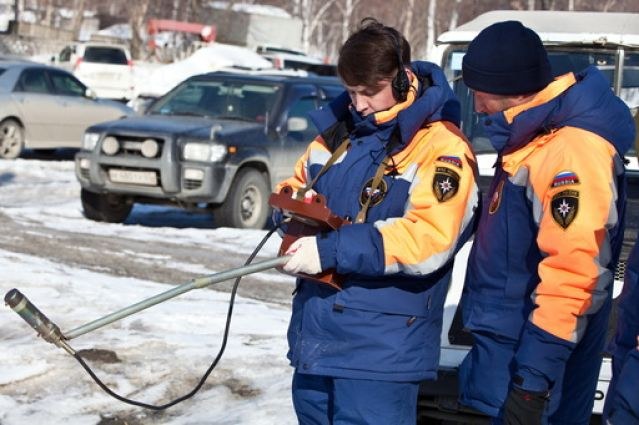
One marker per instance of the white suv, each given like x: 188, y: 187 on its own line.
x: 105, y: 68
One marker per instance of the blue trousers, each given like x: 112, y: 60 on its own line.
x: 324, y: 400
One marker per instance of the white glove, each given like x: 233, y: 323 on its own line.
x: 308, y: 196
x: 305, y: 258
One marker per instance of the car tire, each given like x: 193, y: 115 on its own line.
x: 246, y: 205
x: 47, y: 152
x: 107, y: 207
x: 11, y: 139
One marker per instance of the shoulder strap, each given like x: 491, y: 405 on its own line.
x: 338, y: 152
x: 379, y: 174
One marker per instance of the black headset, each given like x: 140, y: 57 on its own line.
x: 400, y: 83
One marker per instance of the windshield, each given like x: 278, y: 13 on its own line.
x: 561, y: 61
x: 219, y: 99
x: 111, y: 55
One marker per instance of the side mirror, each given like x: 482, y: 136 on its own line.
x: 90, y: 93
x: 297, y: 124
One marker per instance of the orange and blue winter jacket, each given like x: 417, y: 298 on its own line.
x: 549, y: 236
x: 622, y: 400
x: 386, y: 321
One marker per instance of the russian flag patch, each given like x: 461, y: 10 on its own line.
x: 455, y: 160
x: 564, y: 178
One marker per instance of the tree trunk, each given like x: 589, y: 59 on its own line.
x: 454, y: 15
x: 137, y: 21
x: 430, y: 27
x: 77, y: 18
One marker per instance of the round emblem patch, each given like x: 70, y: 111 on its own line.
x: 565, y: 206
x: 445, y: 183
x: 376, y: 195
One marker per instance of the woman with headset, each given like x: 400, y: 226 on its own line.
x: 391, y: 159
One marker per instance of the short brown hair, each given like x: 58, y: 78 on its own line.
x: 372, y: 54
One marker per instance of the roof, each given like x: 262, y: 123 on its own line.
x: 276, y: 77
x: 557, y: 27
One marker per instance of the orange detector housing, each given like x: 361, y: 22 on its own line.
x: 309, y: 217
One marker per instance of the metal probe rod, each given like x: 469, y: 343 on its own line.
x: 200, y: 282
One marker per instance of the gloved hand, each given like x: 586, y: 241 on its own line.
x: 308, y: 196
x: 524, y: 407
x: 305, y: 256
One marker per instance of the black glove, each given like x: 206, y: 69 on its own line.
x: 524, y: 407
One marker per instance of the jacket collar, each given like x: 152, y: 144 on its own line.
x: 430, y: 99
x: 583, y: 100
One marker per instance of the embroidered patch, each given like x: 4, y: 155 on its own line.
x: 564, y: 178
x: 495, y: 201
x: 455, y: 160
x: 376, y: 195
x: 565, y: 206
x: 445, y: 183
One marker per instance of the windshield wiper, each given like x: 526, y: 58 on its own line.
x: 234, y: 118
x: 189, y: 114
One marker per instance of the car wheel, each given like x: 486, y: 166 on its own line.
x: 107, y: 207
x: 11, y: 139
x: 246, y: 205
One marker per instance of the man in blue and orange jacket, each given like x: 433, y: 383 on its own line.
x: 405, y: 175
x: 622, y: 400
x: 538, y: 286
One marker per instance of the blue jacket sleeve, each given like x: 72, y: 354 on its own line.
x: 363, y: 255
x: 546, y: 352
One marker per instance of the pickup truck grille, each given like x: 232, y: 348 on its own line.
x: 192, y: 184
x: 84, y: 173
x: 133, y: 147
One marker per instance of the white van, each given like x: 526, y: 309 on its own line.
x: 105, y: 68
x: 574, y: 40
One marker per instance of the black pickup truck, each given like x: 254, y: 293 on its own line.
x: 218, y: 141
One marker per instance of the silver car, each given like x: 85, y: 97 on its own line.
x: 43, y: 107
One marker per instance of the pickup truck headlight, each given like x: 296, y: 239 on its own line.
x: 209, y: 152
x: 89, y: 140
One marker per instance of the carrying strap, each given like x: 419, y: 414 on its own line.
x: 338, y: 152
x: 379, y: 174
x: 377, y: 179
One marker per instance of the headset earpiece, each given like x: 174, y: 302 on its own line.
x: 400, y: 83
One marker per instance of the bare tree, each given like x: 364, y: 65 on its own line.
x: 78, y: 15
x: 454, y: 15
x: 430, y: 25
x: 311, y: 12
x: 407, y: 17
x: 137, y: 20
x: 608, y: 5
x: 346, y: 9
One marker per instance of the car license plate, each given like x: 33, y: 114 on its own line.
x: 145, y: 178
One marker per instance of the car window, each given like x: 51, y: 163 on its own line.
x: 65, y: 54
x: 33, y: 81
x: 332, y: 92
x: 66, y: 84
x: 300, y: 109
x: 111, y: 55
x: 226, y: 99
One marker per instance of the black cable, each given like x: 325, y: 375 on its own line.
x: 211, y: 367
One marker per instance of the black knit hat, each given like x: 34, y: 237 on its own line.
x: 506, y: 58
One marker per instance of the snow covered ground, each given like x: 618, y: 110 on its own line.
x: 162, y: 352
